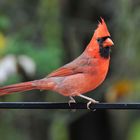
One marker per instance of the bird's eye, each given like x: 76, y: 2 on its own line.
x: 102, y: 39
x: 99, y: 39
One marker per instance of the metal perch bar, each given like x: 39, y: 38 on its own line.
x: 57, y: 105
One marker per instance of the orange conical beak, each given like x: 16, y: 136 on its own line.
x: 108, y: 42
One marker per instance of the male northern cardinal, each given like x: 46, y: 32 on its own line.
x: 83, y: 74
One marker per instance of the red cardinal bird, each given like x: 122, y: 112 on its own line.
x: 83, y: 74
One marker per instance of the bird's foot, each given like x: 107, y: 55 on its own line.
x: 90, y: 102
x: 71, y: 101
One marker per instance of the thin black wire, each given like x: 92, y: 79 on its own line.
x: 54, y: 105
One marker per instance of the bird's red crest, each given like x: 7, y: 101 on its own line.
x: 101, y: 30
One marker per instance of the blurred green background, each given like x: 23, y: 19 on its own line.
x: 38, y: 36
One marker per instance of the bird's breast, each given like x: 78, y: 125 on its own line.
x: 81, y: 83
x: 99, y: 72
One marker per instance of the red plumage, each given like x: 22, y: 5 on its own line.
x: 81, y: 75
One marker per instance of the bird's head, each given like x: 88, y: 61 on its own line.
x: 102, y: 35
x: 103, y: 40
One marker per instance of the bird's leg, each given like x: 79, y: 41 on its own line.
x: 89, y: 99
x: 72, y: 100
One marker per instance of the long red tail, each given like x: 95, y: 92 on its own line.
x: 25, y: 86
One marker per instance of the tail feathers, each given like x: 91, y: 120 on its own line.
x: 25, y: 86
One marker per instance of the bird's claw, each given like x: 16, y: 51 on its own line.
x: 72, y: 101
x: 90, y: 102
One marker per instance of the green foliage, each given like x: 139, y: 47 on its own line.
x: 127, y: 36
x: 4, y: 23
x: 7, y: 130
x: 46, y: 58
x: 134, y: 132
x: 59, y: 128
x: 18, y: 47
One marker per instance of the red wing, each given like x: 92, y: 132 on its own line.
x: 61, y: 72
x: 77, y: 66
